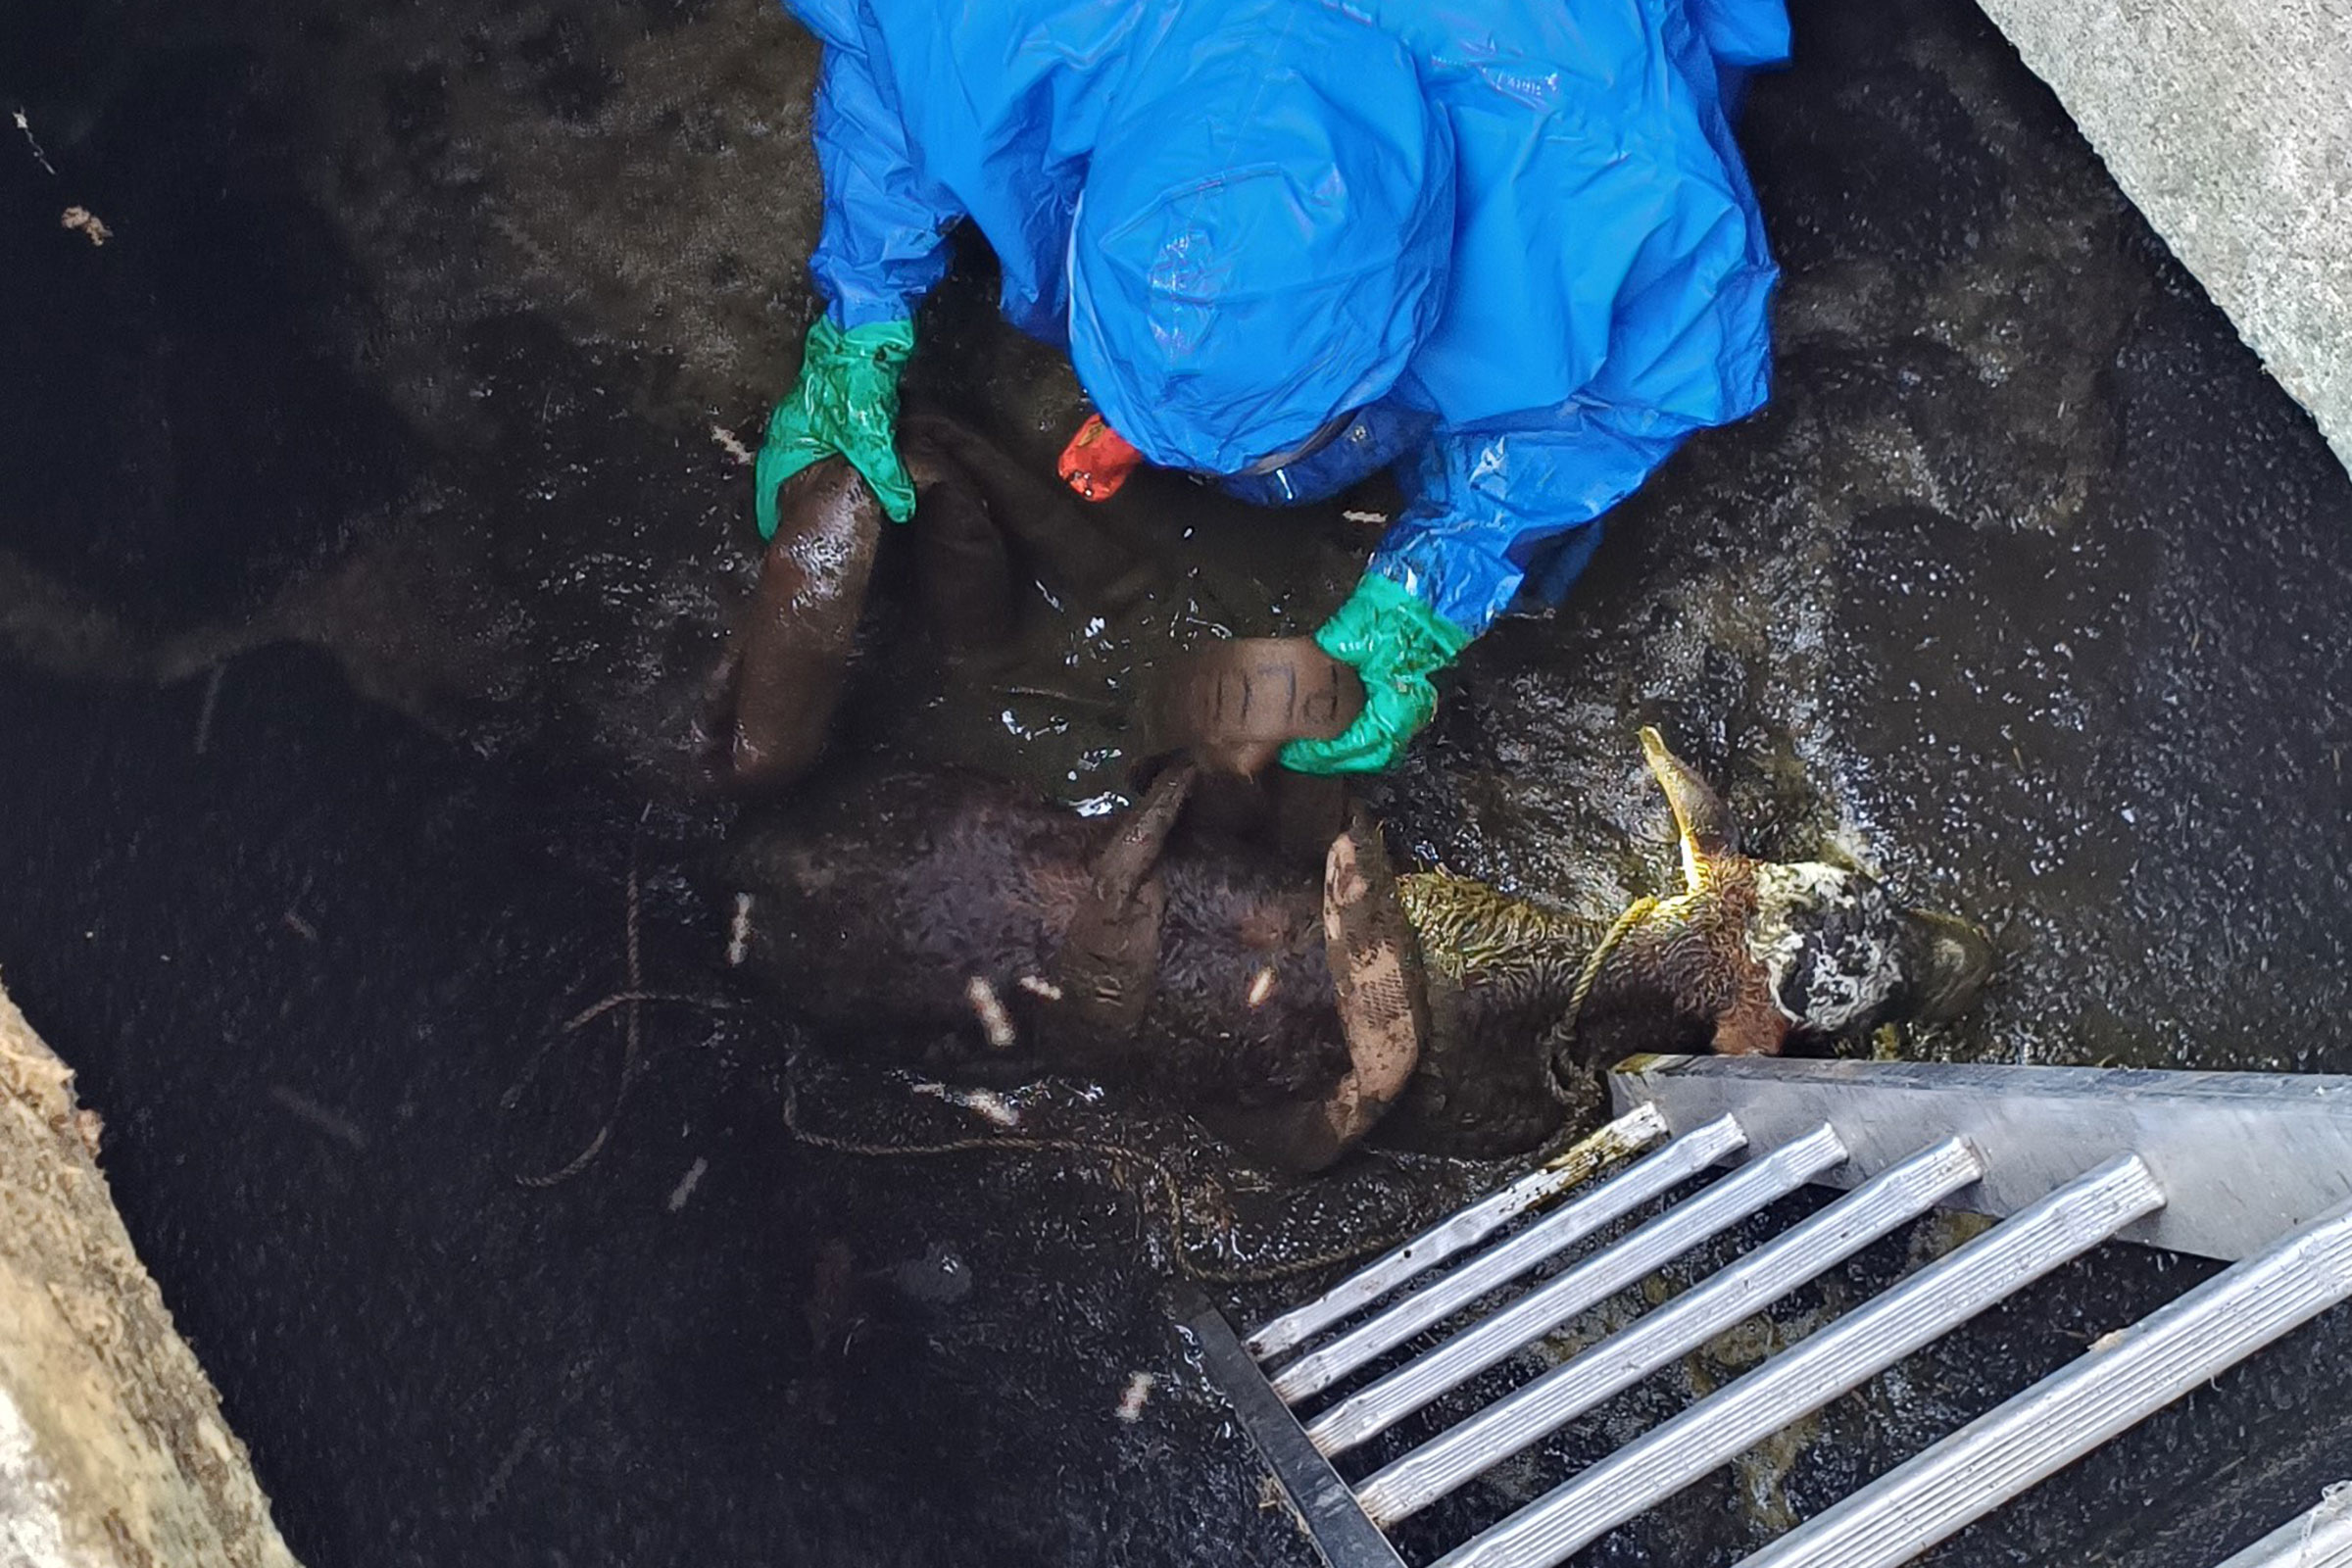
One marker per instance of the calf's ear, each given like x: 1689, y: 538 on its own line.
x: 1700, y: 818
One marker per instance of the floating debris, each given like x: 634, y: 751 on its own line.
x: 204, y: 715
x: 739, y: 932
x: 1131, y: 1403
x: 989, y: 1008
x: 1040, y: 986
x: 687, y: 1184
x: 495, y: 1488
x: 729, y: 443
x: 939, y: 1277
x: 40, y: 157
x: 985, y: 1103
x: 327, y: 1121
x: 89, y: 223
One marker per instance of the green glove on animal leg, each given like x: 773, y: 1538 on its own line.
x: 1395, y: 643
x: 846, y: 400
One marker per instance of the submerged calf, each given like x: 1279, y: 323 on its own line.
x: 932, y: 913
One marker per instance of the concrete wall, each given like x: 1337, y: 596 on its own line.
x: 113, y: 1449
x: 2228, y: 124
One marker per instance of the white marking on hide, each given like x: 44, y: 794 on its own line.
x: 994, y: 1022
x: 1131, y: 1403
x: 1841, y: 985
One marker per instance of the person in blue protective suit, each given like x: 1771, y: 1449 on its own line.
x: 1509, y: 249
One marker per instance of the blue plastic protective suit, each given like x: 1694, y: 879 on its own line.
x: 1518, y: 237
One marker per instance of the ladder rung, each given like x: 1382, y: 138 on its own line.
x: 1922, y: 1309
x: 1629, y: 1133
x: 2116, y: 1385
x: 2320, y: 1538
x: 1506, y: 1260
x: 1741, y: 1289
x: 1745, y: 1192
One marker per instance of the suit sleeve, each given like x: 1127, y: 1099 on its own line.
x: 883, y: 245
x: 1484, y: 509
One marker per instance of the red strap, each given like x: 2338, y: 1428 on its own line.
x: 1097, y: 460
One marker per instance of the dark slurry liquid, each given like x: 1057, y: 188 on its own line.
x: 409, y: 343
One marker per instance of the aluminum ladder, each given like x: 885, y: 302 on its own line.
x: 2252, y: 1168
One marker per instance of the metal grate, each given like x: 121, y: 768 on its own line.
x: 2320, y: 1538
x: 2252, y: 1168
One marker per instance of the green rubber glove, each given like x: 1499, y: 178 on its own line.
x: 1395, y: 643
x: 846, y: 400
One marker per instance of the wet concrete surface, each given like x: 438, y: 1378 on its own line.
x: 410, y: 344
